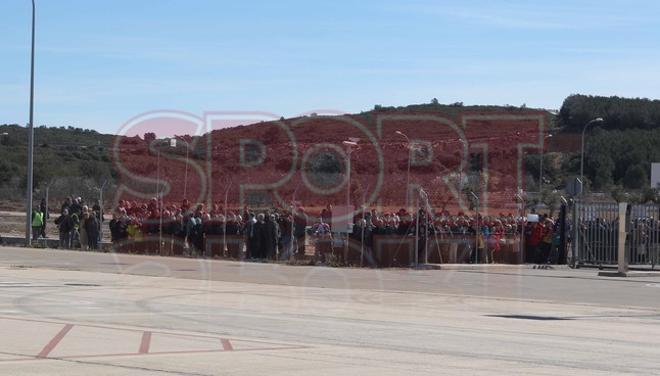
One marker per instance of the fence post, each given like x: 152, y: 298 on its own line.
x: 561, y: 252
x: 575, y: 243
x: 621, y: 246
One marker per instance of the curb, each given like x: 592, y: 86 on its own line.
x: 633, y: 274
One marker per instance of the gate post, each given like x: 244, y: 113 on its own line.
x: 575, y: 250
x: 622, y: 260
x: 561, y: 252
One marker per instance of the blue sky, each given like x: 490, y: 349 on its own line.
x: 100, y: 63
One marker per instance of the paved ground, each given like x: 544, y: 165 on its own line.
x: 80, y: 314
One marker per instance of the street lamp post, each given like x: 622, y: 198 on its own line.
x: 460, y: 174
x: 160, y: 206
x: 364, y: 224
x: 154, y: 147
x: 584, y: 130
x: 185, y: 181
x: 185, y: 178
x: 30, y: 166
x: 173, y: 144
x: 541, y: 167
x: 105, y: 182
x: 409, y: 157
x: 46, y: 211
x: 350, y: 145
x: 521, y: 198
x: 422, y: 196
x: 293, y: 247
x: 224, y: 225
x: 416, y: 258
x: 476, y: 228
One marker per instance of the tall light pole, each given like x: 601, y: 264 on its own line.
x: 364, y: 224
x: 460, y: 174
x: 521, y: 198
x: 172, y: 143
x: 350, y: 145
x: 477, y: 228
x: 30, y: 166
x: 421, y: 196
x: 584, y: 130
x: 409, y: 158
x: 101, y: 188
x: 154, y: 148
x: 160, y: 206
x: 185, y: 179
x: 293, y: 248
x: 541, y: 167
x: 224, y: 224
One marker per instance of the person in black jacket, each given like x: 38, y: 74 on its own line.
x: 252, y: 237
x: 43, y: 207
x: 76, y: 207
x: 284, y: 242
x: 65, y: 226
x: 232, y: 226
x: 66, y: 205
x: 119, y: 230
x: 98, y: 210
x: 258, y: 241
x: 299, y: 228
x: 272, y: 233
x: 118, y: 226
x: 92, y: 228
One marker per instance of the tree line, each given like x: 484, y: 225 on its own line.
x: 617, y: 113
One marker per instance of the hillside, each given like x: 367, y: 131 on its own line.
x: 69, y: 159
x: 304, y: 157
x: 618, y: 113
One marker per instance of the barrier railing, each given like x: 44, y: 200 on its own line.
x: 643, y: 243
x: 597, y: 239
x: 597, y: 235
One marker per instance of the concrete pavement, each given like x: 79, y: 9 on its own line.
x: 77, y: 314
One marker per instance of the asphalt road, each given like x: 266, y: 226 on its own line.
x: 88, y: 313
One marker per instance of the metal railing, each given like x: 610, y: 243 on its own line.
x: 643, y: 242
x: 596, y: 234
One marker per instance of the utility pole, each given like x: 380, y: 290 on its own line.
x: 30, y: 166
x: 584, y: 130
x: 408, y: 146
x: 476, y: 228
x: 351, y: 144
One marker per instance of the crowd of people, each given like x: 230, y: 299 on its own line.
x: 268, y: 234
x: 484, y: 237
x: 281, y: 233
x: 79, y: 225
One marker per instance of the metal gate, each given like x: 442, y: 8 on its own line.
x: 643, y: 242
x: 596, y: 234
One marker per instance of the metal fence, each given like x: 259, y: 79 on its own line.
x: 643, y: 242
x: 597, y: 234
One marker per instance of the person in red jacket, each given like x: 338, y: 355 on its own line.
x: 494, y: 242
